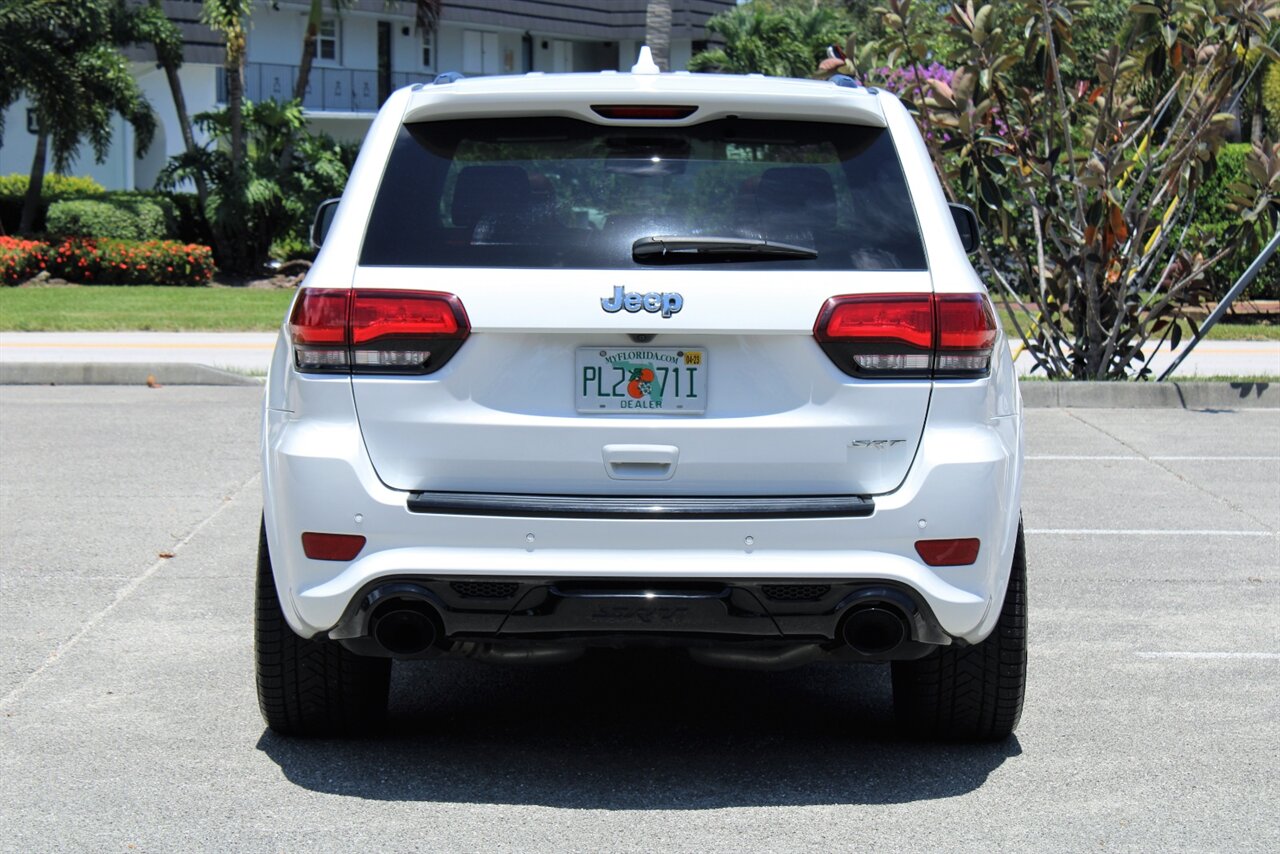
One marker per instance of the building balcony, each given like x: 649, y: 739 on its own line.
x: 329, y: 90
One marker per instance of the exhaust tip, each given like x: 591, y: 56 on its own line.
x: 405, y: 628
x: 875, y: 629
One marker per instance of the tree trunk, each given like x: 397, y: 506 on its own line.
x: 35, y: 184
x: 309, y: 54
x: 235, y: 99
x: 309, y: 37
x: 657, y: 32
x: 184, y: 124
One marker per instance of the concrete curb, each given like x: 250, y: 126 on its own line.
x: 118, y: 373
x: 1150, y: 395
x: 1035, y: 395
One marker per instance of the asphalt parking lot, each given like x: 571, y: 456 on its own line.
x: 128, y: 720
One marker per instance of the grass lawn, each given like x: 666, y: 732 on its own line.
x: 101, y: 308
x: 105, y: 308
x: 1224, y: 331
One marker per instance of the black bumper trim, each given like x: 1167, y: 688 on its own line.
x: 641, y: 507
x: 621, y: 611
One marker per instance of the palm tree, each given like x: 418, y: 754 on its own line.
x: 62, y: 55
x: 781, y: 41
x: 426, y: 14
x: 315, y: 14
x: 149, y: 24
x: 229, y: 17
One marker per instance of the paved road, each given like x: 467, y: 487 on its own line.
x: 127, y: 718
x: 251, y: 351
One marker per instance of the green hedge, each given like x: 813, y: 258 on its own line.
x: 125, y: 216
x: 54, y: 186
x: 1214, y: 219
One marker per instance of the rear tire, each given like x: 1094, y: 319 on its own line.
x: 310, y: 687
x: 971, y: 693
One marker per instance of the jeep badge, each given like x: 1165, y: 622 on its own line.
x: 668, y: 304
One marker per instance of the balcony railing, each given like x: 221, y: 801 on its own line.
x: 329, y: 90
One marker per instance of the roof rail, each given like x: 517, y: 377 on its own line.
x: 846, y: 81
x: 447, y: 77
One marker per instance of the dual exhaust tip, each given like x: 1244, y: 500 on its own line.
x: 410, y: 627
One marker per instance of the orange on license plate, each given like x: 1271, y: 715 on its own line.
x: 641, y: 380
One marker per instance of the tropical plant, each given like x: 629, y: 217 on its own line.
x: 62, y: 55
x: 779, y: 39
x: 259, y: 200
x: 1092, y: 192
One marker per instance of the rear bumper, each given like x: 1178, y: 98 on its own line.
x: 963, y: 483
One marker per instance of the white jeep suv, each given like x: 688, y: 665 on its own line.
x: 608, y: 360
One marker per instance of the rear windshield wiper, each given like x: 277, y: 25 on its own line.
x: 677, y: 249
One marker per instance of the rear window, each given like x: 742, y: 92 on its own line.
x: 563, y: 193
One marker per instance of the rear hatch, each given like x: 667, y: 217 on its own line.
x: 642, y: 304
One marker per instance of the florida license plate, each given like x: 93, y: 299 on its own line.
x: 641, y: 380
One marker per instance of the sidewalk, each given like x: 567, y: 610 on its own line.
x: 242, y: 352
x: 250, y: 352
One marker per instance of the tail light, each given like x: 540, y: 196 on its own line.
x: 373, y: 331
x: 908, y: 336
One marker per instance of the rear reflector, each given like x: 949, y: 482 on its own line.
x: 908, y: 335
x: 642, y: 111
x: 375, y: 331
x: 332, y: 546
x: 948, y: 552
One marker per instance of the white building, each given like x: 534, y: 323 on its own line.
x: 364, y: 53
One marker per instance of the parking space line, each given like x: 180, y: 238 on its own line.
x: 1211, y: 655
x: 121, y: 594
x: 1198, y: 459
x: 1148, y: 532
x: 1247, y: 512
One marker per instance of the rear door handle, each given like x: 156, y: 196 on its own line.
x: 640, y: 462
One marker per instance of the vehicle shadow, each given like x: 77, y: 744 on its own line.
x: 630, y: 731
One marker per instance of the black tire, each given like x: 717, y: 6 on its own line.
x: 971, y: 693
x: 311, y: 687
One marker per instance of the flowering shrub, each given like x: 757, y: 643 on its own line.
x: 21, y: 259
x: 107, y: 262
x: 901, y: 81
x: 920, y: 84
x: 132, y: 262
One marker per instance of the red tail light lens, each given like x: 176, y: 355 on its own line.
x: 376, y: 331
x: 966, y: 334
x: 879, y: 333
x: 331, y: 546
x: 948, y: 552
x: 908, y: 336
x: 318, y: 326
x: 402, y: 314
